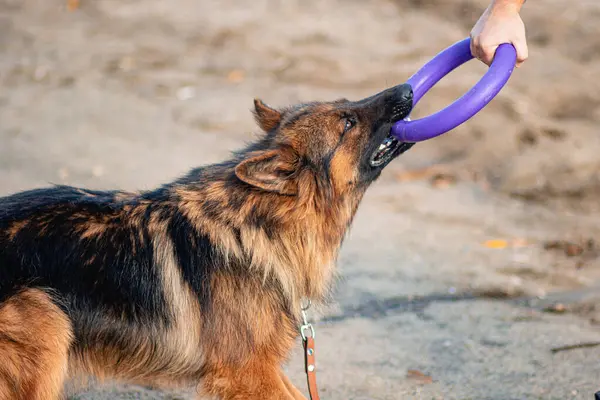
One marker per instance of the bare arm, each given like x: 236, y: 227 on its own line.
x: 500, y: 23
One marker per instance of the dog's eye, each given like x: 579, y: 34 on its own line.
x: 349, y: 123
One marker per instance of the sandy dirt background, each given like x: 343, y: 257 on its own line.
x: 472, y: 269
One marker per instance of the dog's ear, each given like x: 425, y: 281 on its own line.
x: 267, y: 118
x: 271, y: 170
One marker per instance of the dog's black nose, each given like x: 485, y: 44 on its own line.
x: 399, y: 102
x: 403, y: 93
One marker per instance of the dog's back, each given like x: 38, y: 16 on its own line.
x: 39, y: 286
x: 79, y: 275
x: 76, y: 242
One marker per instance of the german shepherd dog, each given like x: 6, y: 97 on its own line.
x: 199, y: 282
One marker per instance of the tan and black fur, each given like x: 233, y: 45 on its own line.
x: 198, y: 282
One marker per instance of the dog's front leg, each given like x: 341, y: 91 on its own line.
x: 254, y: 381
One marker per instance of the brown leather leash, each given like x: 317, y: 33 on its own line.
x: 310, y: 367
x: 308, y: 340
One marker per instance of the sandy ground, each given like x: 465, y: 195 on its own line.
x: 472, y: 261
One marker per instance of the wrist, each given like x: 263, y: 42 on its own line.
x: 512, y: 6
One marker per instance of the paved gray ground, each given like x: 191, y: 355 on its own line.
x: 129, y: 94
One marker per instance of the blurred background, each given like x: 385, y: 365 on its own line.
x: 472, y: 269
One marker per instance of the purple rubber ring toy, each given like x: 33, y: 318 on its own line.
x: 466, y: 106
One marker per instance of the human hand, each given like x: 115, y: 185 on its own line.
x: 500, y: 23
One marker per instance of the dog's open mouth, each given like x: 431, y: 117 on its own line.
x: 388, y: 150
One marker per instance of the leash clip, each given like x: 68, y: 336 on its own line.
x: 306, y: 326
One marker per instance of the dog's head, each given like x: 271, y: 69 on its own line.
x: 342, y: 144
